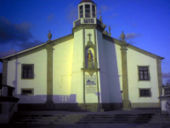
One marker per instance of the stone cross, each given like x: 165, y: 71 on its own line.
x: 89, y: 36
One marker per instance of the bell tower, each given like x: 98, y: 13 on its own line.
x: 87, y: 14
x: 85, y: 67
x: 89, y: 82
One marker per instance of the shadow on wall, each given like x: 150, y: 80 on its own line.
x: 62, y: 102
x: 41, y: 99
x: 40, y: 102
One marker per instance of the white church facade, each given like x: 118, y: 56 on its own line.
x: 87, y: 68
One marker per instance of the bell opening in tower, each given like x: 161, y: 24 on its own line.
x: 81, y: 11
x: 87, y: 11
x: 93, y: 11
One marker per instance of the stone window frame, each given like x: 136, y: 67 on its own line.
x: 145, y: 96
x: 30, y: 89
x: 22, y: 68
x: 148, y: 73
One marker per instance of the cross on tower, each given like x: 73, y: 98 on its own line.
x: 89, y: 36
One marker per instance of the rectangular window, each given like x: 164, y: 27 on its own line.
x: 27, y: 71
x: 81, y: 11
x: 87, y: 11
x: 27, y: 92
x: 144, y: 92
x: 94, y: 11
x: 143, y: 73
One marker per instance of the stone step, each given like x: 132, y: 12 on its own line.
x: 83, y: 118
x: 143, y: 118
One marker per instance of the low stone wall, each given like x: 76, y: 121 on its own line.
x: 145, y: 105
x: 8, y: 105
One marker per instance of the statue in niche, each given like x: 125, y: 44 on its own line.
x: 90, y: 59
x: 90, y: 56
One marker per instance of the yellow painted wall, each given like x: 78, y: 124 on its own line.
x: 40, y: 79
x: 77, y: 65
x: 62, y: 67
x: 119, y: 63
x: 136, y: 59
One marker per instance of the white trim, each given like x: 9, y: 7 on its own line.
x: 91, y: 11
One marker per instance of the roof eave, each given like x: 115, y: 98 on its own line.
x: 20, y: 52
x: 38, y: 46
x: 129, y: 45
x: 154, y: 55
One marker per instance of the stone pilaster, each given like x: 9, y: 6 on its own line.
x: 126, y: 102
x: 159, y: 74
x: 49, y: 49
x: 4, y: 72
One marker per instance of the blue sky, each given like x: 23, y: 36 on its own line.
x: 25, y: 23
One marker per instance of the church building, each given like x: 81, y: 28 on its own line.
x: 87, y: 69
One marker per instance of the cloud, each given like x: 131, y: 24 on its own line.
x: 50, y: 17
x: 131, y: 36
x: 12, y: 51
x: 72, y: 13
x: 17, y: 36
x: 103, y: 9
x: 30, y: 44
x: 168, y: 81
x: 166, y: 78
x: 14, y: 32
x: 21, y: 46
x: 113, y: 15
x: 166, y: 75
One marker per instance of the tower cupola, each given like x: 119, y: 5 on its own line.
x: 87, y: 9
x: 87, y: 15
